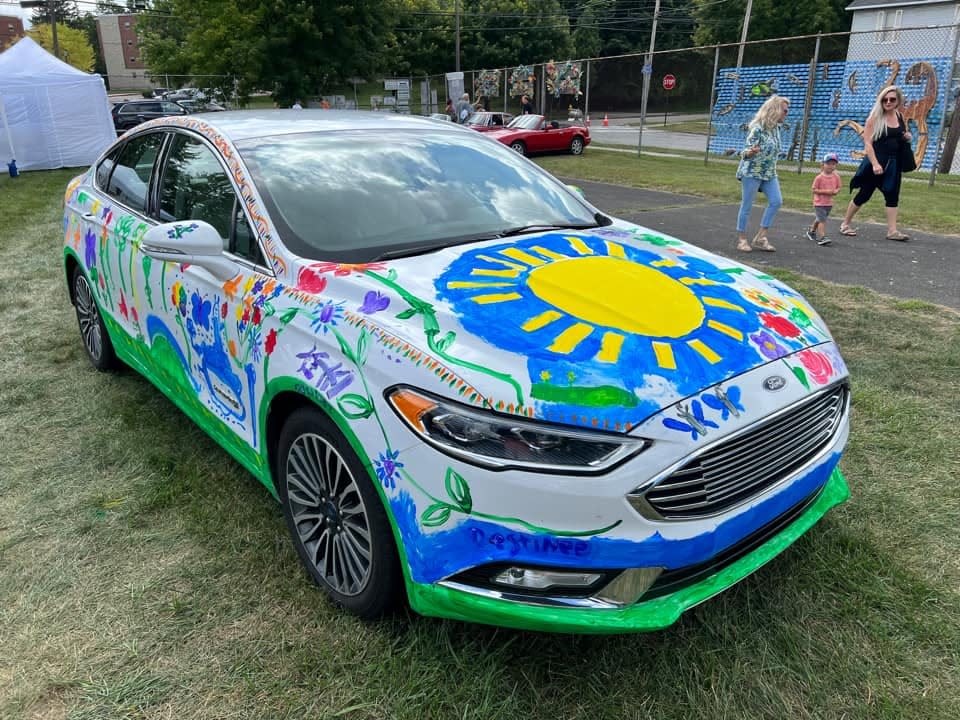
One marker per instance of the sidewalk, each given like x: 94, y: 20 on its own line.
x: 926, y: 268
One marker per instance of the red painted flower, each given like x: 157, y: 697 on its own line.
x: 311, y: 281
x: 344, y: 269
x: 123, y: 306
x: 257, y: 317
x: 817, y: 365
x: 223, y: 310
x: 136, y: 317
x: 780, y: 325
x: 271, y: 342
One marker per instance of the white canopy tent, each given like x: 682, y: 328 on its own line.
x: 51, y: 114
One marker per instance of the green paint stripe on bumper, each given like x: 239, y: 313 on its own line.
x: 645, y: 616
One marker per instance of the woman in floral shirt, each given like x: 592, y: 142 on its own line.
x: 758, y: 171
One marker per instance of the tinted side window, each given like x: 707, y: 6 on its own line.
x: 131, y: 174
x: 172, y: 108
x: 104, y: 168
x: 195, y: 186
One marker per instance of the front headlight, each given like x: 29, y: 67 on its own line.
x: 502, y: 442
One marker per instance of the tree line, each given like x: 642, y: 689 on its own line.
x: 294, y: 48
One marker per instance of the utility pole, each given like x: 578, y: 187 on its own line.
x: 743, y: 35
x: 647, y: 72
x: 457, y: 41
x: 52, y: 9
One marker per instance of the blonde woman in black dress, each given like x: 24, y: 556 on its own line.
x: 883, y: 135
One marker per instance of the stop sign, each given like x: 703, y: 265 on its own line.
x: 669, y: 82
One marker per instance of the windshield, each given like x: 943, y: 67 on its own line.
x: 477, y: 119
x: 526, y: 122
x: 353, y: 196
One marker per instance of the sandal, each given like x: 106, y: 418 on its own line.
x: 847, y: 230
x: 898, y: 236
x: 743, y: 245
x: 760, y: 242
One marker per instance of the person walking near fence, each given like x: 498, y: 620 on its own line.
x: 464, y: 108
x: 825, y: 185
x: 758, y: 171
x: 526, y: 107
x: 885, y: 138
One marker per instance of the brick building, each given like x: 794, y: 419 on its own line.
x: 121, y: 52
x: 11, y: 30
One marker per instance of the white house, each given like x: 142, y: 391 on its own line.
x: 884, y: 28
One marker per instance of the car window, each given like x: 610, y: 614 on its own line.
x: 145, y: 107
x: 194, y: 186
x: 350, y: 196
x: 105, y: 166
x: 170, y: 107
x: 130, y: 178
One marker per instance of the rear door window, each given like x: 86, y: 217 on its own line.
x: 130, y: 180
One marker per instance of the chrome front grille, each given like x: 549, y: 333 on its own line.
x: 742, y: 467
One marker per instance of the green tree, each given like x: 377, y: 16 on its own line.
x: 723, y: 22
x: 423, y: 38
x: 504, y: 33
x: 65, y: 10
x: 74, y: 47
x: 587, y: 42
x: 289, y: 47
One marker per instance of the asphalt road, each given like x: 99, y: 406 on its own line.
x: 926, y: 268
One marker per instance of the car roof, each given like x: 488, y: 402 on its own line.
x: 240, y: 125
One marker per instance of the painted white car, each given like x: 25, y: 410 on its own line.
x: 468, y: 388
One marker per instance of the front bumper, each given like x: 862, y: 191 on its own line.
x: 655, y: 614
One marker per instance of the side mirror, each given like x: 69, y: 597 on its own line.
x: 194, y: 242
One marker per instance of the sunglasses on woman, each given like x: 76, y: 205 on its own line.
x: 890, y: 99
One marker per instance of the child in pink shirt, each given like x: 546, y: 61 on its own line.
x: 825, y: 186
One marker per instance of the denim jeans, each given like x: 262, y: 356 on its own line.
x: 770, y: 188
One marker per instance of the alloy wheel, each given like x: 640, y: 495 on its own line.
x: 329, y: 514
x: 89, y: 317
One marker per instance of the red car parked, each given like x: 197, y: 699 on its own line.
x: 535, y: 134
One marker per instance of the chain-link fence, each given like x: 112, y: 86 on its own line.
x: 705, y: 97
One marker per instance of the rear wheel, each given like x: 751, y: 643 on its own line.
x: 93, y: 332
x: 576, y: 145
x: 519, y: 147
x: 335, y: 516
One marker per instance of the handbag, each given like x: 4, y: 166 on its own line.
x: 906, y: 162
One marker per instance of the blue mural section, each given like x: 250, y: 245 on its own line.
x: 843, y: 93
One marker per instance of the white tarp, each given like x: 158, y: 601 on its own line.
x: 56, y: 115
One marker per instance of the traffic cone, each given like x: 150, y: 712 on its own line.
x: 606, y: 122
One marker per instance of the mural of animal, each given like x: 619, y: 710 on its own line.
x: 917, y: 111
x: 913, y: 111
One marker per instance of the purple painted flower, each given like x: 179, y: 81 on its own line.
x: 768, y: 345
x: 374, y: 301
x: 327, y: 316
x: 388, y: 469
x: 90, y: 248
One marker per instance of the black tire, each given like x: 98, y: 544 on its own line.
x: 519, y: 147
x: 93, y: 333
x: 576, y: 145
x: 336, y: 519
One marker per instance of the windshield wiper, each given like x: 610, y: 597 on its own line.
x: 600, y: 219
x: 537, y: 227
x: 411, y: 251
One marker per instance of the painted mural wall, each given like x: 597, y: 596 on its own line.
x: 843, y: 93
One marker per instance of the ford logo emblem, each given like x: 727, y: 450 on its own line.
x: 774, y: 383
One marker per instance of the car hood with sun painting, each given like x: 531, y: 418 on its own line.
x: 599, y: 328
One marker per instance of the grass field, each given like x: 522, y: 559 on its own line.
x: 144, y: 574
x: 922, y: 207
